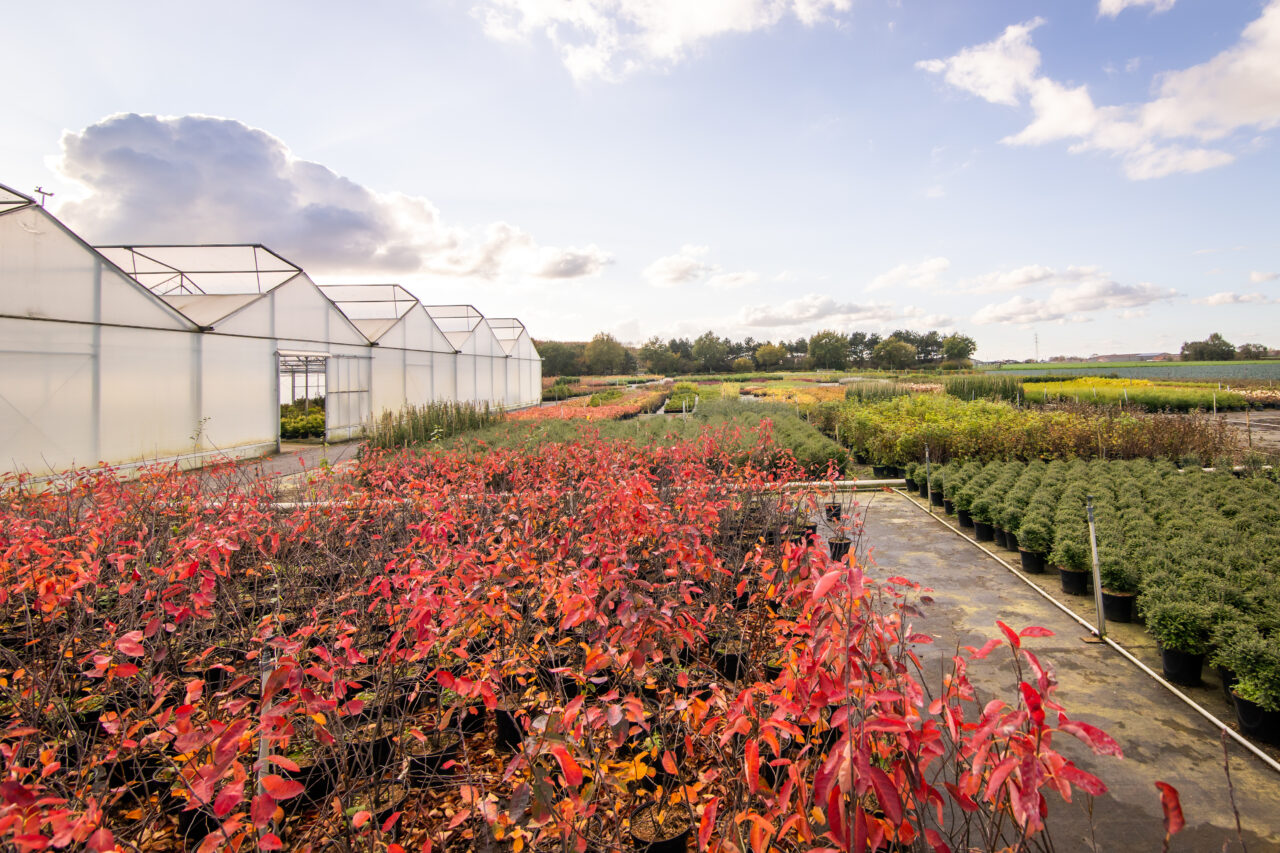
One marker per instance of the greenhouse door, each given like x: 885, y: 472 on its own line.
x: 347, y: 403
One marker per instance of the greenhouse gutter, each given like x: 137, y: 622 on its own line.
x: 1159, y: 679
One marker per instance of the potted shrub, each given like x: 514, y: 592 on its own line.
x: 1254, y: 659
x: 1119, y: 588
x: 659, y: 828
x: 1035, y: 540
x: 1181, y: 627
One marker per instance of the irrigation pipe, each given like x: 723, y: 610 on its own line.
x: 1240, y: 739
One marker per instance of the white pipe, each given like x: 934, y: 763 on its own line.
x: 1240, y: 739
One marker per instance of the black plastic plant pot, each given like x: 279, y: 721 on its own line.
x: 661, y: 831
x: 1256, y: 722
x: 923, y: 488
x: 833, y: 511
x: 1228, y: 679
x: 427, y: 759
x: 1117, y: 606
x: 997, y: 536
x: 1032, y: 563
x: 470, y: 718
x: 839, y: 548
x: 1181, y: 667
x: 729, y: 664
x: 911, y: 484
x: 935, y: 498
x: 510, y: 735
x: 949, y: 507
x: 1011, y: 540
x: 962, y: 516
x: 880, y: 472
x: 1073, y: 582
x: 983, y: 532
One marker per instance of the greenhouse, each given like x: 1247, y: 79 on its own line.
x: 130, y: 353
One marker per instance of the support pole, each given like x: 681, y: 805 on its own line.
x: 928, y: 480
x: 1097, y: 572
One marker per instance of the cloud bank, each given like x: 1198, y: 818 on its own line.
x: 201, y: 179
x: 609, y: 39
x: 1194, y: 108
x: 1081, y: 291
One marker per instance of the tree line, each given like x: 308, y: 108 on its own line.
x: 1217, y: 348
x: 905, y: 349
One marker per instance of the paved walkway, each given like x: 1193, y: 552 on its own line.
x: 1163, y: 739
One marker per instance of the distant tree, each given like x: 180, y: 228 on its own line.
x: 1212, y: 348
x: 560, y: 359
x: 894, y: 354
x: 1251, y: 351
x: 742, y: 364
x: 861, y: 346
x: 657, y: 357
x: 829, y: 350
x: 604, y: 355
x: 681, y: 347
x: 710, y: 353
x: 958, y: 347
x: 929, y: 348
x: 769, y: 356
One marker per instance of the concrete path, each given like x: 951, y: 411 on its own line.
x: 1163, y: 739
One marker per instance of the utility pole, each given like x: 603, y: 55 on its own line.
x: 1037, y: 339
x: 44, y: 195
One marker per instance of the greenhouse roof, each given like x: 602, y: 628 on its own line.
x: 371, y: 301
x: 216, y: 269
x: 205, y: 309
x: 12, y: 199
x: 507, y: 330
x: 457, y: 322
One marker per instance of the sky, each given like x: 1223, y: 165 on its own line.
x: 1070, y: 177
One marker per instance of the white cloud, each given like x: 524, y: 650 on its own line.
x: 1235, y: 90
x: 1258, y: 277
x: 201, y: 179
x: 1017, y: 279
x: 732, y: 280
x: 1227, y: 298
x: 935, y: 191
x: 813, y: 307
x: 681, y: 268
x: 924, y: 274
x: 1111, y: 8
x: 1092, y: 292
x: 608, y: 39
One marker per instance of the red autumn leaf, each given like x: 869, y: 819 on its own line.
x: 1098, y: 740
x: 669, y: 762
x: 262, y: 810
x: 270, y: 841
x: 390, y: 822
x: 708, y: 822
x: 1172, y: 805
x: 101, y: 841
x: 824, y: 584
x: 977, y: 654
x: 126, y: 670
x: 752, y: 760
x: 280, y: 788
x: 228, y: 798
x: 130, y: 644
x: 572, y: 772
x: 1083, y: 780
x: 283, y: 763
x: 887, y: 795
x: 1035, y: 631
x: 361, y: 818
x: 1012, y: 635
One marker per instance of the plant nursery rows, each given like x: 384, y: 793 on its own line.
x: 576, y: 646
x: 1195, y: 554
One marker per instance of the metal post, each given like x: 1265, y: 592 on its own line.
x: 1097, y: 573
x: 928, y: 480
x: 1215, y: 402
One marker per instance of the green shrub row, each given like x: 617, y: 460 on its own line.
x: 415, y: 425
x: 303, y: 426
x: 1199, y: 549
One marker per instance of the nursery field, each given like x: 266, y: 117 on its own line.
x: 1202, y: 370
x: 588, y: 645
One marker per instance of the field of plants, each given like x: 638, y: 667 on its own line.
x: 1195, y: 551
x: 1197, y: 370
x: 897, y: 431
x: 577, y: 646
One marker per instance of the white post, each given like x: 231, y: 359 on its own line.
x: 1097, y: 572
x: 928, y: 481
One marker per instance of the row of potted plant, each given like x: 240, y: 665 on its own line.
x: 1196, y: 554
